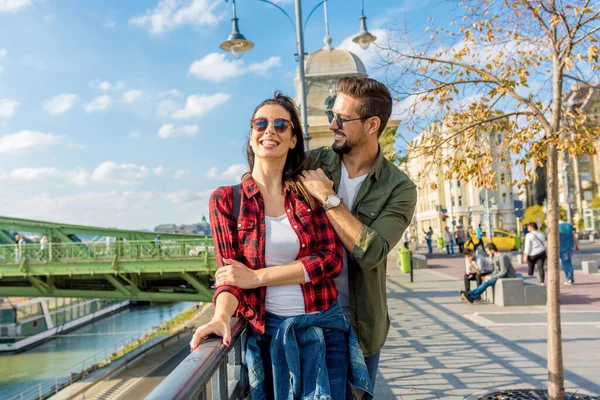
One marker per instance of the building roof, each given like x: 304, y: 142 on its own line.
x: 333, y: 62
x: 580, y: 96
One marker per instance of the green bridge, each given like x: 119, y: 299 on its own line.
x: 132, y: 266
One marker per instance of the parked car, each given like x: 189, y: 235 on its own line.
x: 504, y: 241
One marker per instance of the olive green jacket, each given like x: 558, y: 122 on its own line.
x: 384, y: 204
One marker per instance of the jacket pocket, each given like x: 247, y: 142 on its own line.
x: 368, y: 214
x: 246, y: 229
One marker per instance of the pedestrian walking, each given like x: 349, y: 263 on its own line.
x: 534, y: 253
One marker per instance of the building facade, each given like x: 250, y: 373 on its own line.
x: 452, y: 203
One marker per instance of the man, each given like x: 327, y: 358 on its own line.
x: 535, y: 250
x: 476, y: 267
x: 567, y: 239
x: 406, y: 238
x: 503, y: 268
x: 369, y: 202
x: 479, y: 236
x: 429, y: 239
x: 449, y: 240
x: 460, y: 239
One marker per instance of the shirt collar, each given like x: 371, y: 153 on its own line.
x: 250, y: 187
x: 334, y: 162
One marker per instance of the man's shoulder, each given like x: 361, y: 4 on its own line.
x: 318, y: 157
x: 393, y: 175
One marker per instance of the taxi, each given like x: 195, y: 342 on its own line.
x: 504, y: 241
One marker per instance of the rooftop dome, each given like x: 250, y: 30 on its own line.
x: 333, y: 62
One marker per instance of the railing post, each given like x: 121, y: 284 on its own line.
x: 219, y: 382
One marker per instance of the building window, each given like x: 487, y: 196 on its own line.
x: 502, y: 178
x: 499, y: 139
x: 503, y: 198
x: 452, y: 201
x: 460, y: 201
x: 585, y: 157
x: 458, y: 183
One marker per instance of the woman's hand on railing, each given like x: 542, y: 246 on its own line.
x: 220, y: 326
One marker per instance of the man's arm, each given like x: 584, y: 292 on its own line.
x: 575, y: 241
x: 503, y: 268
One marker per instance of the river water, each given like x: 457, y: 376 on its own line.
x: 43, y: 362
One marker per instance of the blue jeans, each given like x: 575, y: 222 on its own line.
x: 567, y: 265
x: 372, y: 362
x: 476, y: 293
x: 429, y: 246
x: 450, y: 248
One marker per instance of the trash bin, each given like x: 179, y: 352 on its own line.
x: 440, y: 243
x: 517, y: 242
x: 404, y: 260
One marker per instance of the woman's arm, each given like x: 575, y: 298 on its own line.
x: 225, y: 306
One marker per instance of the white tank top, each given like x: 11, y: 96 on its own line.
x: 282, y: 246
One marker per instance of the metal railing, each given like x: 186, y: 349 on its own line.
x: 102, y: 251
x: 212, y: 371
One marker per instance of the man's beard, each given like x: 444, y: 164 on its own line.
x: 344, y: 148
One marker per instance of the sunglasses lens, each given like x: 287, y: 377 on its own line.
x: 330, y: 116
x: 281, y: 125
x: 260, y: 125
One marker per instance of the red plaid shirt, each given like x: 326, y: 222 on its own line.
x: 244, y: 240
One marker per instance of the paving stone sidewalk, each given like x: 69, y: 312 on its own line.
x: 440, y: 347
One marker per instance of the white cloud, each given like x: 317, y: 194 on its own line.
x: 263, y: 67
x: 132, y: 95
x: 49, y: 18
x: 369, y: 56
x: 233, y: 173
x: 100, y: 103
x: 180, y: 173
x: 158, y: 171
x: 198, y: 105
x: 169, y: 131
x: 110, y: 171
x: 135, y: 134
x: 2, y: 52
x: 216, y: 67
x: 13, y: 5
x: 77, y: 176
x: 60, y: 104
x: 171, y: 14
x: 8, y: 108
x: 173, y: 93
x: 106, y: 86
x: 110, y: 24
x: 27, y: 140
x: 75, y: 146
x: 1, y: 69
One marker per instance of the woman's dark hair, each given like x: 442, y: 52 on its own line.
x: 296, y: 158
x: 533, y: 225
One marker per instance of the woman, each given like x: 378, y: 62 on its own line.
x: 277, y: 262
x: 534, y: 253
x: 449, y: 240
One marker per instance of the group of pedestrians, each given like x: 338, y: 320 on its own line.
x: 486, y: 271
x: 301, y: 246
x: 450, y: 239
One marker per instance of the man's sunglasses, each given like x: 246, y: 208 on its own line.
x: 339, y: 121
x: 280, y: 125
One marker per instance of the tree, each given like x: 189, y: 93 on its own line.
x: 536, y: 214
x: 595, y: 202
x: 387, y: 141
x: 504, y: 69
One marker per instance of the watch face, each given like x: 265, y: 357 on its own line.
x: 334, y: 200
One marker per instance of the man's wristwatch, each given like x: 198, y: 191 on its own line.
x: 333, y: 200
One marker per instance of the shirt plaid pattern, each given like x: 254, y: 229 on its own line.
x: 244, y: 240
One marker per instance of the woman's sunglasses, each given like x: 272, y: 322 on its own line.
x: 280, y: 125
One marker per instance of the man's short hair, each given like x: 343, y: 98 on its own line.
x: 491, y: 246
x: 375, y: 98
x: 468, y: 253
x: 533, y: 225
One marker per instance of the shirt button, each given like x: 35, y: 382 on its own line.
x: 239, y: 225
x: 289, y: 210
x: 303, y: 245
x: 309, y: 210
x: 295, y: 226
x: 372, y: 214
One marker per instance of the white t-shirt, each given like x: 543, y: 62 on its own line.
x: 481, y: 263
x: 534, y: 243
x: 281, y: 247
x: 347, y: 192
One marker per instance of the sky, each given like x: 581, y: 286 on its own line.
x: 127, y: 114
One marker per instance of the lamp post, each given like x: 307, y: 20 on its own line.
x: 237, y: 44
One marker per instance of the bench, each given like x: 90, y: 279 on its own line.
x: 589, y: 267
x: 519, y: 291
x: 419, y: 261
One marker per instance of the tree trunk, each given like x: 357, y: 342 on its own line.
x: 556, y: 379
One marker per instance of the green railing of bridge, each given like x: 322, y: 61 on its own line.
x: 102, y: 251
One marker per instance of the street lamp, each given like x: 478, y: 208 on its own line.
x: 364, y: 38
x: 237, y: 44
